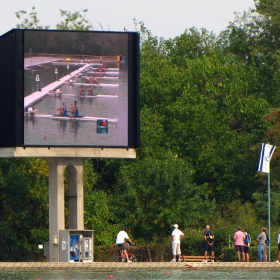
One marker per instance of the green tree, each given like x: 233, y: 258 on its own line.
x: 209, y: 108
x: 30, y: 22
x: 252, y: 37
x: 156, y: 190
x: 203, y: 106
x: 24, y: 208
x: 260, y: 194
x: 74, y: 21
x: 98, y: 208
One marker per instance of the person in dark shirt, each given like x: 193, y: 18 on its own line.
x: 208, y: 244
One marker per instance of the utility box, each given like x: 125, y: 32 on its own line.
x: 76, y: 245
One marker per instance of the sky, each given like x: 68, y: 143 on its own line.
x: 163, y: 18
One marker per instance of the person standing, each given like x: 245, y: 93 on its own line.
x: 266, y: 244
x: 278, y: 242
x: 120, y: 241
x: 247, y: 241
x: 239, y: 244
x: 208, y: 244
x: 261, y: 240
x: 176, y: 236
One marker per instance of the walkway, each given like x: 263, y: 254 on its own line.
x: 38, y: 95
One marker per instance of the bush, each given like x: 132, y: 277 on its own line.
x: 108, y: 253
x: 229, y: 254
x: 192, y: 244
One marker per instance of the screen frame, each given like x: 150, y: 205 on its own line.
x: 15, y: 78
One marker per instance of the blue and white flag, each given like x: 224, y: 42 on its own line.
x: 266, y: 154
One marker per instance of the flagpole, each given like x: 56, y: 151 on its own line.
x: 268, y: 209
x: 264, y: 166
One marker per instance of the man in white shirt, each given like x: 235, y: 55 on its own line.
x: 176, y: 235
x: 120, y: 241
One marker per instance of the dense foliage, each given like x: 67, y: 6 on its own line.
x: 212, y: 100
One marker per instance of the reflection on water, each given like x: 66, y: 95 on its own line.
x: 49, y: 132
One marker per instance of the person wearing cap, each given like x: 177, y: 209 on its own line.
x: 239, y: 238
x: 176, y: 236
x: 120, y: 241
x: 261, y: 240
x: 208, y: 244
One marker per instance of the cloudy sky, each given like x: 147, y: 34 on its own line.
x: 163, y: 18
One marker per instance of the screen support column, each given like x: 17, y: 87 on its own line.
x: 56, y: 199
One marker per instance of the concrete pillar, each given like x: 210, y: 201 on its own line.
x: 76, y: 196
x: 56, y: 199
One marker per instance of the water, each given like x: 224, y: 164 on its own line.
x: 122, y: 275
x: 51, y: 132
x: 46, y: 72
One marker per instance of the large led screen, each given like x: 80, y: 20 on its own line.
x: 81, y: 88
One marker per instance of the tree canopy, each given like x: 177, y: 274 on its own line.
x: 211, y: 100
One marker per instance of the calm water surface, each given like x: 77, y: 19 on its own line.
x: 122, y: 275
